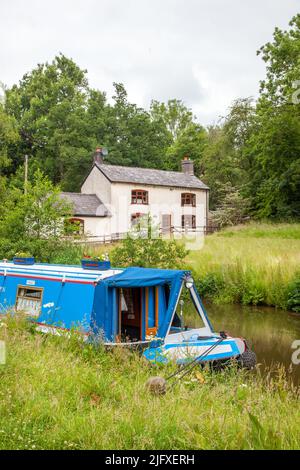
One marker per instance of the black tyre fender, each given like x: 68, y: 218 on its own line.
x: 247, y: 360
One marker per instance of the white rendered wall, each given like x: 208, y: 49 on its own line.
x: 117, y: 198
x: 162, y: 200
x: 97, y: 183
x: 96, y: 226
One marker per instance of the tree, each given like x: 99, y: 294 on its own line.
x: 174, y: 115
x: 49, y: 105
x: 281, y: 57
x: 39, y: 214
x: 133, y: 138
x: 233, y: 208
x: 274, y: 146
x: 8, y: 138
x: 221, y: 164
x: 191, y: 142
x: 186, y: 137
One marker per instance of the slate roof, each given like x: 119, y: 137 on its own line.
x: 125, y: 174
x: 88, y: 205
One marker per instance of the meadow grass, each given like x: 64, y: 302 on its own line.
x: 251, y: 264
x: 59, y: 393
x: 264, y: 230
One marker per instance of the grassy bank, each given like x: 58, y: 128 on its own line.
x: 252, y: 264
x: 56, y: 393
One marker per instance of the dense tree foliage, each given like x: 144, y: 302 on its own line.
x: 37, y: 214
x: 250, y: 158
x: 272, y: 145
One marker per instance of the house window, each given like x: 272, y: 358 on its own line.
x: 135, y: 218
x: 76, y: 226
x: 29, y: 300
x: 139, y: 196
x: 188, y: 222
x: 188, y: 199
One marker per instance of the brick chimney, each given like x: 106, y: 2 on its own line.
x: 187, y: 166
x: 98, y: 156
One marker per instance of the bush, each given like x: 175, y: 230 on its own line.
x: 233, y: 210
x: 143, y: 247
x: 209, y: 285
x: 44, y: 251
x: 147, y: 253
x: 293, y: 295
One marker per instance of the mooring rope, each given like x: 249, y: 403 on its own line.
x: 191, y: 365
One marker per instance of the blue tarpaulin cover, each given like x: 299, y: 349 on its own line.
x: 144, y: 277
x: 136, y: 277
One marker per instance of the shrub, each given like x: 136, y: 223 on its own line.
x: 45, y: 251
x: 147, y: 253
x: 209, y: 285
x: 293, y: 295
x: 143, y: 247
x: 233, y: 210
x: 254, y: 292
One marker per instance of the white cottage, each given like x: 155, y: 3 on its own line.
x: 113, y: 198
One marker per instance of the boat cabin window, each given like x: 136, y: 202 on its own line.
x: 29, y: 300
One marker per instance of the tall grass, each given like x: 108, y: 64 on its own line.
x: 264, y: 230
x: 58, y: 393
x: 253, y: 264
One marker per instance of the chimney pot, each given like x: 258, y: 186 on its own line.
x: 187, y: 166
x: 98, y: 156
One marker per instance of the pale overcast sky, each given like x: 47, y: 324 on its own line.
x: 200, y: 51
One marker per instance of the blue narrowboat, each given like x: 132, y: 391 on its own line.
x: 131, y: 307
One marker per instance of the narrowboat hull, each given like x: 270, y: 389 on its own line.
x: 183, y: 349
x: 133, y: 308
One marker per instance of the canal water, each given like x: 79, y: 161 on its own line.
x: 270, y: 332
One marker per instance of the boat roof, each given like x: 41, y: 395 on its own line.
x: 132, y: 276
x: 56, y: 271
